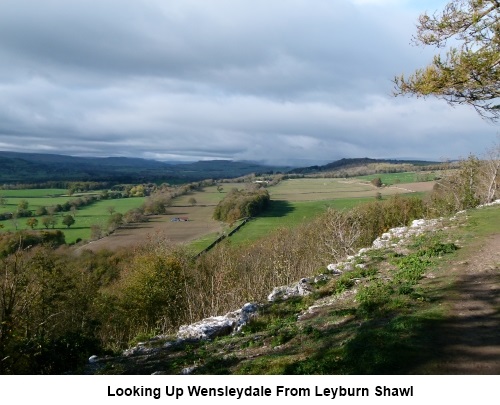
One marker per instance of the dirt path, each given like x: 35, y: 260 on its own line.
x: 470, y: 339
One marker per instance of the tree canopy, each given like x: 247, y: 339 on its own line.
x: 469, y: 71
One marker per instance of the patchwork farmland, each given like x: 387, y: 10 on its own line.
x: 292, y: 202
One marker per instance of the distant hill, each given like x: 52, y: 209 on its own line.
x: 355, y: 162
x: 37, y: 167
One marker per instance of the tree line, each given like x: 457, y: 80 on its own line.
x: 243, y: 203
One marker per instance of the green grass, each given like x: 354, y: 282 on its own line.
x: 394, y: 318
x: 201, y: 244
x: 484, y: 221
x: 293, y: 202
x: 33, y: 193
x: 396, y: 178
x: 96, y: 213
x: 35, y: 197
x: 288, y: 214
x: 207, y: 196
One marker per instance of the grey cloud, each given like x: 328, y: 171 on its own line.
x: 219, y: 79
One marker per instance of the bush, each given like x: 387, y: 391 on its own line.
x: 377, y: 182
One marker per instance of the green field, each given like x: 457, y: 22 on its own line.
x: 33, y: 193
x: 288, y: 214
x: 314, y: 189
x: 35, y: 198
x: 296, y: 201
x: 96, y: 213
x: 208, y: 195
x: 293, y: 202
x: 396, y: 178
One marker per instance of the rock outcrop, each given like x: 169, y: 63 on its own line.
x: 215, y: 326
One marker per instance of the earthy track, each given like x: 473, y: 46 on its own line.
x: 469, y: 341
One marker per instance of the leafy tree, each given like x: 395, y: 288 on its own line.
x: 192, y: 201
x: 41, y: 211
x: 22, y: 205
x: 96, y: 232
x: 3, y: 201
x: 49, y: 221
x: 115, y: 220
x: 152, y: 292
x: 44, y: 313
x: 457, y: 189
x: 469, y: 73
x: 137, y: 191
x: 68, y: 220
x: 32, y: 223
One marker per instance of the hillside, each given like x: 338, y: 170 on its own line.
x: 37, y: 167
x: 345, y: 164
x: 422, y: 300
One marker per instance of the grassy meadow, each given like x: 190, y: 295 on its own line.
x: 397, y: 178
x: 299, y: 200
x: 96, y: 213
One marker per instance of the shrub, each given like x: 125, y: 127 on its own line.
x: 377, y: 182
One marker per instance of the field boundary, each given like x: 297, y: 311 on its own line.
x: 223, y: 236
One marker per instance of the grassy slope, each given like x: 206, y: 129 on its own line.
x: 387, y: 318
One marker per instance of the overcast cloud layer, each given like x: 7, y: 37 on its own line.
x: 280, y: 81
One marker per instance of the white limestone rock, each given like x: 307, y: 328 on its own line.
x: 300, y: 289
x: 215, y: 326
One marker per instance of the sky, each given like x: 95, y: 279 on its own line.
x: 277, y: 81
